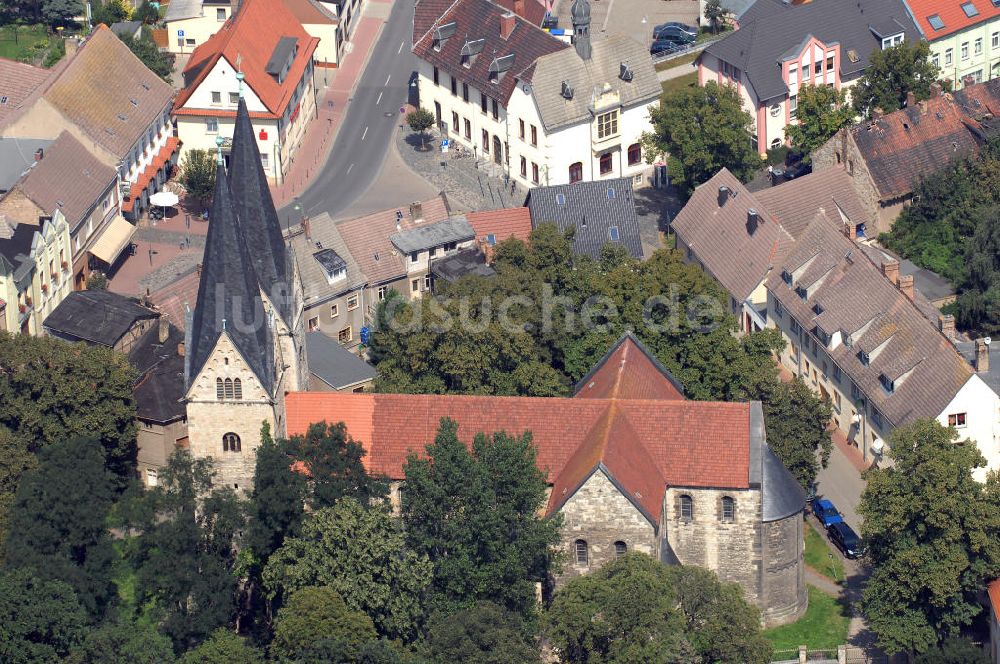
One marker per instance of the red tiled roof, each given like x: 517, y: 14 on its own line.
x: 503, y: 223
x: 19, y: 81
x: 628, y: 372
x: 951, y: 14
x: 221, y: 113
x: 251, y: 35
x: 480, y: 19
x: 531, y: 10
x: 174, y: 298
x: 994, y: 593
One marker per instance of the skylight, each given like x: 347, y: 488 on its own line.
x: 970, y: 9
x: 611, y: 193
x: 560, y: 199
x: 936, y: 22
x: 613, y: 233
x: 333, y: 265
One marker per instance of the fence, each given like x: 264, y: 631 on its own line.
x: 684, y: 50
x: 840, y: 655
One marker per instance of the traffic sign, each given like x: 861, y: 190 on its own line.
x: 402, y: 109
x: 180, y: 33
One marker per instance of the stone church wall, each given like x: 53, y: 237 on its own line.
x: 785, y: 597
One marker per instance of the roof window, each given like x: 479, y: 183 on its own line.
x: 887, y: 384
x: 970, y: 9
x: 936, y: 22
x: 786, y: 277
x: 560, y: 199
x: 611, y: 193
x: 864, y: 358
x: 333, y: 265
x: 624, y: 72
x: 567, y: 89
x: 613, y: 234
x: 852, y: 55
x: 491, y: 240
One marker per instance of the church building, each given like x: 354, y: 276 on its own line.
x: 245, y: 345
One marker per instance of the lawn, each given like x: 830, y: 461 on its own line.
x: 677, y: 62
x: 28, y: 44
x: 823, y: 627
x: 686, y: 81
x: 817, y: 555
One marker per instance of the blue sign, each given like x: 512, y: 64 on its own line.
x: 366, y: 334
x: 445, y: 142
x: 180, y: 33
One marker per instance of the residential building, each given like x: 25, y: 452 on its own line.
x: 264, y: 56
x: 66, y: 176
x: 17, y: 156
x: 190, y: 23
x: 20, y: 82
x: 321, y: 20
x: 495, y: 226
x: 101, y: 318
x: 127, y: 29
x: 334, y: 368
x: 964, y: 36
x: 632, y: 466
x: 887, y: 157
x: 538, y: 110
x: 114, y: 105
x: 780, y: 47
x: 245, y: 340
x: 32, y: 280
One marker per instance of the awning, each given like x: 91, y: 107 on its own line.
x: 148, y: 173
x: 113, y: 240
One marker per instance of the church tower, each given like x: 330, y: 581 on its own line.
x: 245, y: 343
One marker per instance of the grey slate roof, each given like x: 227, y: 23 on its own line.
x: 179, y: 10
x: 469, y: 261
x: 586, y: 76
x: 335, y: 365
x: 771, y: 30
x: 16, y: 157
x: 316, y: 287
x: 257, y: 216
x: 781, y: 494
x: 126, y: 28
x: 454, y: 229
x: 160, y: 387
x: 991, y: 377
x: 229, y: 300
x: 590, y: 212
x: 16, y: 250
x: 95, y: 316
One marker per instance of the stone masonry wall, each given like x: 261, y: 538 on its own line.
x: 784, y: 587
x: 842, y: 152
x: 600, y: 515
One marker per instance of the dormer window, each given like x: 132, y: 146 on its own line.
x: 625, y: 72
x: 334, y: 267
x: 817, y: 309
x: 801, y: 292
x: 471, y: 50
x: 864, y: 358
x: 442, y: 33
x: 567, y: 90
x: 887, y: 384
x: 892, y: 40
x: 500, y: 66
x: 786, y: 277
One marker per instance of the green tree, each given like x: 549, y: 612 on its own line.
x: 97, y: 281
x: 314, y: 614
x: 420, y: 120
x: 63, y: 13
x: 954, y: 651
x: 276, y: 503
x: 110, y: 12
x: 797, y: 422
x: 119, y: 641
x: 822, y: 111
x: 149, y: 53
x: 333, y: 461
x: 931, y: 535
x: 146, y: 13
x: 186, y: 552
x: 15, y: 460
x: 484, y: 633
x: 891, y: 74
x: 223, y: 647
x: 475, y: 515
x: 62, y: 535
x: 704, y: 129
x: 716, y: 14
x: 198, y: 174
x: 40, y: 621
x: 361, y: 554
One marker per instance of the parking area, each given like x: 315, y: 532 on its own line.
x: 634, y: 18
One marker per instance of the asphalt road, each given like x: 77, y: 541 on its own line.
x: 366, y: 133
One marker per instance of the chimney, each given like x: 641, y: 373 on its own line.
x: 180, y: 349
x: 946, y: 323
x: 890, y: 268
x: 877, y: 113
x: 922, y: 105
x: 234, y: 6
x: 416, y: 212
x: 39, y: 154
x: 935, y: 90
x: 983, y: 355
x: 723, y: 195
x: 507, y: 22
x: 164, y: 329
x: 851, y: 231
x: 753, y: 218
x: 911, y: 99
x: 197, y: 269
x: 306, y: 229
x: 906, y: 285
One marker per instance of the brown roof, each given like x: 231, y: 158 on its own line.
x: 629, y: 371
x: 70, y: 178
x: 716, y: 228
x: 857, y: 301
x: 502, y: 224
x: 367, y: 238
x: 795, y: 203
x: 17, y: 82
x: 174, y: 299
x: 480, y: 19
x: 251, y: 35
x: 308, y: 12
x: 98, y: 87
x: 904, y: 146
x: 994, y: 593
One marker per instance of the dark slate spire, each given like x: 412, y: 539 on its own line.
x: 228, y: 295
x: 258, y: 216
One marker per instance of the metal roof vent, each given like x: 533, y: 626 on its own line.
x: 624, y: 71
x: 567, y: 90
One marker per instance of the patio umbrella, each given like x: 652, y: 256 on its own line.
x: 164, y: 199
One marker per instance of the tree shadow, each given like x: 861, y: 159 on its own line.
x: 420, y: 142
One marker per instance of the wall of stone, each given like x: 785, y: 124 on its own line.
x: 842, y: 152
x: 784, y: 598
x: 600, y: 515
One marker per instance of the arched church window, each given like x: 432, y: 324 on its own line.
x: 582, y: 552
x: 237, y: 388
x: 229, y: 388
x: 620, y: 549
x: 218, y: 389
x: 687, y: 507
x: 728, y: 509
x: 230, y: 442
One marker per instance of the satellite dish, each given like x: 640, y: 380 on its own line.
x: 526, y: 88
x: 877, y: 446
x: 987, y: 341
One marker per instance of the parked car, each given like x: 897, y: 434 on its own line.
x: 550, y: 21
x: 679, y: 32
x: 826, y: 512
x: 845, y: 539
x: 662, y: 46
x: 797, y: 170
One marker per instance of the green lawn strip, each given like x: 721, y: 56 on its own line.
x: 677, y: 62
x: 823, y: 627
x: 817, y: 556
x: 31, y: 42
x: 674, y: 84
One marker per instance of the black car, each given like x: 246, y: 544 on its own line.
x: 678, y: 32
x: 797, y: 170
x: 661, y: 46
x: 550, y: 21
x: 845, y: 539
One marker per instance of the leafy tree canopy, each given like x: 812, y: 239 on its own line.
x: 314, y: 614
x: 40, y: 621
x: 891, y: 74
x: 931, y: 534
x: 822, y: 111
x: 484, y: 633
x: 954, y: 651
x: 333, y: 461
x: 198, y: 174
x: 119, y: 641
x: 146, y: 50
x: 60, y: 12
x: 796, y: 422
x: 223, y: 647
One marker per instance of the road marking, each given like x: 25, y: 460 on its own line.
x: 400, y: 47
x: 387, y: 79
x: 379, y: 100
x: 350, y: 167
x: 364, y: 134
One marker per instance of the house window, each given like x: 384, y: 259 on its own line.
x: 427, y: 282
x: 606, y: 163
x: 334, y: 310
x: 818, y: 66
x: 211, y: 126
x: 793, y: 107
x: 534, y: 135
x: 889, y: 42
x: 793, y: 74
x: 151, y: 477
x: 520, y: 129
x: 415, y: 286
x: 534, y: 172
x: 634, y: 154
x: 220, y: 14
x: 995, y: 40
x: 607, y: 124
x: 524, y: 167
x: 237, y: 388
x: 454, y: 121
x: 345, y: 335
x: 234, y: 98
x: 837, y: 373
x: 454, y: 86
x: 779, y: 310
x: 482, y: 102
x: 382, y: 290
x: 352, y: 302
x: 218, y: 389
x: 829, y: 63
x: 495, y: 108
x: 806, y: 72
x: 216, y: 97
x: 582, y: 554
x: 465, y: 92
x: 468, y: 129
x: 965, y: 50
x: 230, y: 442
x: 437, y: 77
x: 576, y: 172
x: 936, y: 60
x: 728, y: 509
x: 956, y: 420
x: 687, y: 508
x: 264, y: 161
x: 189, y: 42
x: 620, y: 549
x: 486, y: 142
x: 313, y: 324
x: 977, y: 46
x: 775, y: 143
x: 876, y: 418
x: 774, y: 110
x: 948, y: 56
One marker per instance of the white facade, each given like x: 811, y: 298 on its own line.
x: 186, y: 34
x: 975, y: 414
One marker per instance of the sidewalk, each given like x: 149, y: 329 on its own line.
x: 332, y: 103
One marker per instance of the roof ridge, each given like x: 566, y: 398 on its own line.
x: 436, y: 21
